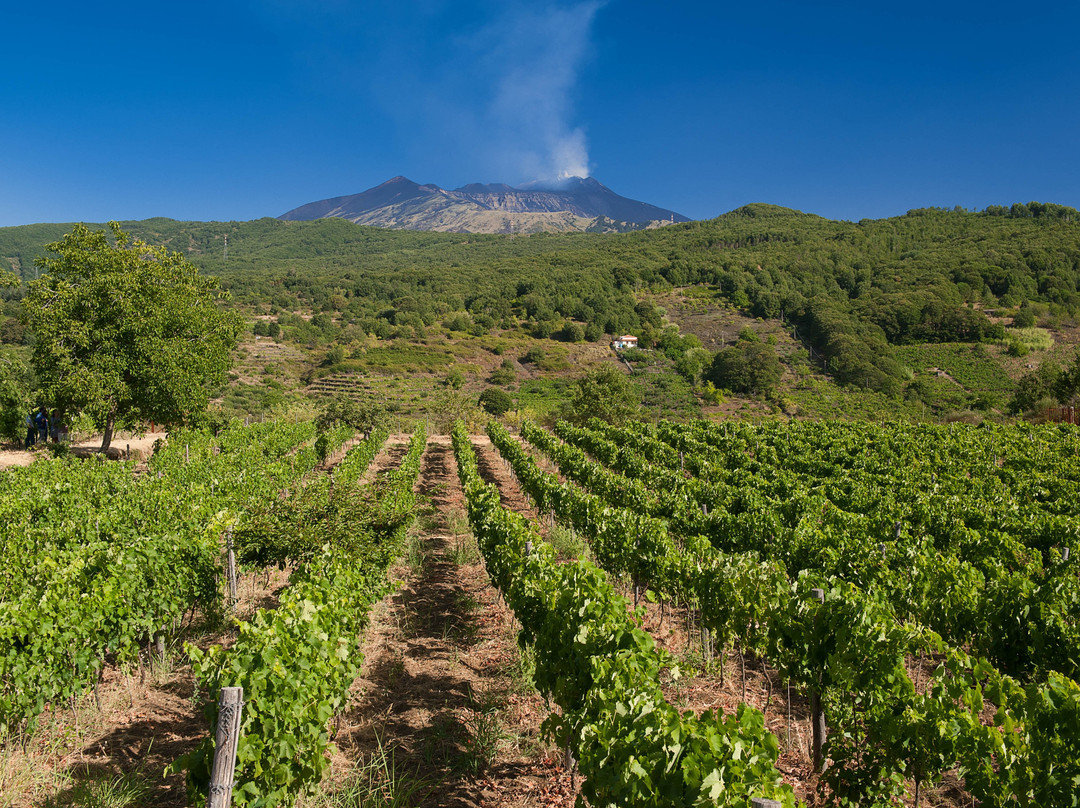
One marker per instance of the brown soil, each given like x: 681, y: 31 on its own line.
x: 439, y: 686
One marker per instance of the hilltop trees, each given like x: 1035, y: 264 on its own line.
x: 749, y: 366
x: 126, y: 331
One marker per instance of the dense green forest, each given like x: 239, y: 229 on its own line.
x: 853, y: 293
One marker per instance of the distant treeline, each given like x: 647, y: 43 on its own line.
x: 852, y: 289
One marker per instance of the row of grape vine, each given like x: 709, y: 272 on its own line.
x: 852, y: 648
x: 594, y: 660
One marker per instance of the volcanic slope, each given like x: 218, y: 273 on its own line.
x: 574, y: 204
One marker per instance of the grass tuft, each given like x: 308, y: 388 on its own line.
x: 377, y: 781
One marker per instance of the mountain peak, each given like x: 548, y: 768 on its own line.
x: 569, y: 203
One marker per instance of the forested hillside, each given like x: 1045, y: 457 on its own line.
x: 849, y: 292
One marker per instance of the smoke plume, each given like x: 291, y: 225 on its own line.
x: 537, y: 52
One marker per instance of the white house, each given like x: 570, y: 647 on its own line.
x: 625, y: 341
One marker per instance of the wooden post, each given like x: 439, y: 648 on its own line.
x: 226, y: 737
x: 1065, y: 554
x: 185, y: 454
x: 817, y: 714
x: 160, y: 647
x: 231, y: 568
x: 528, y: 549
x: 761, y: 802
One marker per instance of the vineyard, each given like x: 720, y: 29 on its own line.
x: 678, y: 614
x: 844, y: 556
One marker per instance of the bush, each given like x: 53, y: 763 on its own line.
x: 505, y: 374
x: 1025, y: 318
x: 572, y: 332
x: 748, y: 367
x: 455, y: 379
x: 1017, y: 348
x: 534, y: 355
x: 495, y: 401
x: 606, y: 393
x: 362, y: 416
x: 1036, y: 388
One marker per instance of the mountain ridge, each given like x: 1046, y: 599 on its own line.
x: 573, y: 204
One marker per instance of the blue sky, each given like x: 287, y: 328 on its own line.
x: 236, y: 110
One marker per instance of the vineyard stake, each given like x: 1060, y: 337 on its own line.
x: 231, y: 568
x: 816, y: 712
x: 97, y: 685
x: 788, y: 713
x: 761, y: 802
x: 230, y: 705
x: 742, y: 668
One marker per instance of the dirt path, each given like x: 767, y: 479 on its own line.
x: 444, y: 685
x: 445, y: 692
x: 141, y: 444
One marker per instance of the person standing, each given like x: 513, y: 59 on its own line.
x: 31, y: 429
x: 41, y: 421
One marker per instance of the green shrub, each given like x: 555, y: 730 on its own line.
x: 495, y: 401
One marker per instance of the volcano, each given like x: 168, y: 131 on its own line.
x: 572, y: 204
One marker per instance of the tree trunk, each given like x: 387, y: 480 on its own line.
x: 110, y: 422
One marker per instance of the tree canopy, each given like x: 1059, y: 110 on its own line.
x: 1047, y: 383
x: 856, y: 293
x: 126, y: 331
x: 746, y: 367
x: 14, y: 397
x: 495, y: 401
x: 605, y: 393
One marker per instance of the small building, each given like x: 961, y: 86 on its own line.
x: 623, y: 342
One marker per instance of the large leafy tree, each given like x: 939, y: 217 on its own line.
x: 746, y: 367
x: 14, y: 397
x: 605, y: 393
x: 125, y: 331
